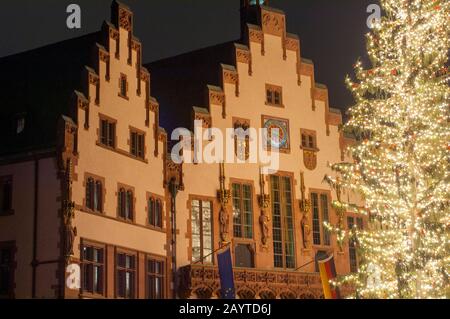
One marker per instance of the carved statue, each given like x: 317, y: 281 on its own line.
x: 70, y: 232
x: 224, y: 222
x: 264, y: 218
x: 306, y: 230
x: 305, y: 207
x: 264, y: 221
x: 224, y: 196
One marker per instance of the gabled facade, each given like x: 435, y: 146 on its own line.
x: 273, y: 223
x: 90, y: 214
x: 93, y: 206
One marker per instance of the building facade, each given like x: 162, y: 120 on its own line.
x: 91, y: 211
x: 92, y: 204
x: 272, y: 222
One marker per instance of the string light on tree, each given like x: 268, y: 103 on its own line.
x: 401, y: 157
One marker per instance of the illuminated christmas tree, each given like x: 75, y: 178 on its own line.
x: 401, y: 158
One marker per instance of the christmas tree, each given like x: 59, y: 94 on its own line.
x: 400, y: 160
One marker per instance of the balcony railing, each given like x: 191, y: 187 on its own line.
x: 201, y: 281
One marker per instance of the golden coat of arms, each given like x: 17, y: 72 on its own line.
x: 310, y: 159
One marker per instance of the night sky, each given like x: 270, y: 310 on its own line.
x: 331, y: 31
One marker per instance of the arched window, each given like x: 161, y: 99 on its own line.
x: 90, y: 193
x: 121, y: 203
x: 94, y: 195
x: 158, y: 214
x: 125, y: 203
x: 129, y: 205
x: 155, y: 212
x: 98, y: 205
x: 151, y: 211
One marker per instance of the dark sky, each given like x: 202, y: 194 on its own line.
x: 331, y: 31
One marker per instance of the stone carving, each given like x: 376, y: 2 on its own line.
x: 230, y: 77
x: 206, y: 120
x: 145, y: 75
x: 114, y: 34
x: 125, y: 19
x: 264, y: 220
x: 244, y: 56
x: 68, y: 212
x: 70, y: 232
x: 296, y: 284
x: 224, y: 196
x: 306, y: 230
x: 305, y: 208
x: 310, y: 159
x: 273, y: 23
x: 224, y: 224
x: 217, y: 97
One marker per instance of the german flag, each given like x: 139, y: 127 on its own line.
x: 327, y: 271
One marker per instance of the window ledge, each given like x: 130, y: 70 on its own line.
x: 312, y: 149
x: 274, y: 105
x: 121, y: 152
x: 123, y: 96
x: 88, y: 210
x: 155, y: 228
x: 126, y: 221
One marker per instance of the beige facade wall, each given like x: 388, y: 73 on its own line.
x: 117, y: 166
x: 202, y: 180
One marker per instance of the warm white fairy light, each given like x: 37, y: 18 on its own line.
x: 401, y: 162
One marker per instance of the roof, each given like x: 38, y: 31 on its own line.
x: 188, y: 75
x: 38, y: 85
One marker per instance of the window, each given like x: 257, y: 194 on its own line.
x: 320, y: 209
x: 309, y: 139
x: 137, y: 144
x: 93, y: 269
x: 325, y: 218
x: 125, y: 204
x: 352, y: 242
x: 242, y: 211
x: 273, y: 95
x: 241, y: 140
x: 6, y: 195
x: 126, y: 276
x: 243, y: 256
x: 155, y: 278
x: 6, y: 270
x: 155, y: 212
x: 94, y: 195
x: 283, y: 224
x: 201, y: 226
x: 108, y: 133
x: 20, y: 124
x: 123, y: 85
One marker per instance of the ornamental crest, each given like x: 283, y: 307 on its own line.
x: 310, y: 159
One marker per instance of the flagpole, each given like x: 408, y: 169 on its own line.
x: 308, y: 263
x: 215, y: 251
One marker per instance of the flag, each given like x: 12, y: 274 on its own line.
x: 226, y: 274
x: 327, y: 271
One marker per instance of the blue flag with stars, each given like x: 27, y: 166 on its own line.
x: 226, y: 274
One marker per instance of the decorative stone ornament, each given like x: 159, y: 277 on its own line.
x: 310, y: 159
x: 224, y: 196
